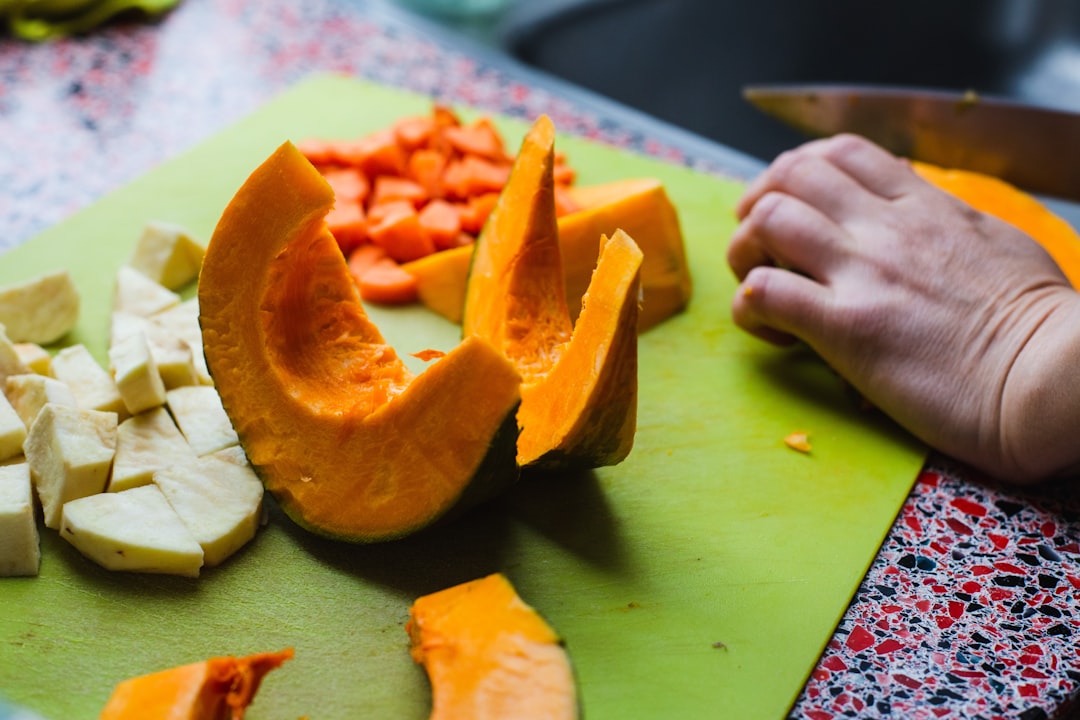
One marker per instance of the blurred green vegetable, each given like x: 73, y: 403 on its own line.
x: 39, y: 20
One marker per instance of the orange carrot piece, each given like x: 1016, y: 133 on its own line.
x: 378, y: 212
x: 387, y: 283
x: 413, y: 132
x: 348, y: 183
x: 220, y: 688
x: 388, y: 187
x: 474, y: 213
x: 375, y: 154
x: 348, y: 224
x: 564, y: 174
x: 400, y: 234
x: 426, y: 169
x: 442, y: 222
x: 319, y: 151
x: 363, y: 257
x: 481, y: 138
x: 379, y: 277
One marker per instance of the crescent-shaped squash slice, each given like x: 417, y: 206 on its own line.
x: 220, y: 688
x: 489, y: 656
x: 579, y: 383
x: 349, y: 442
x: 996, y: 197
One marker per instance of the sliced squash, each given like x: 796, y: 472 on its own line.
x: 220, y: 688
x: 996, y: 197
x: 579, y: 385
x: 639, y: 206
x: 350, y: 443
x: 488, y: 655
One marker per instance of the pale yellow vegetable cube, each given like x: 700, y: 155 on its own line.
x: 138, y: 294
x: 197, y: 410
x: 12, y: 430
x: 168, y: 254
x: 70, y: 452
x: 144, y: 443
x: 31, y: 392
x: 90, y: 383
x: 20, y: 551
x: 40, y: 310
x: 136, y: 374
x: 136, y: 530
x: 219, y: 500
x: 34, y: 357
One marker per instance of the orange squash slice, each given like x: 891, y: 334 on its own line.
x: 349, y: 442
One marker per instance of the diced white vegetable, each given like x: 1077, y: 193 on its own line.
x: 197, y: 410
x: 40, y: 310
x: 144, y: 443
x: 219, y: 500
x: 136, y: 375
x: 167, y: 254
x: 30, y: 392
x: 20, y: 551
x: 11, y: 363
x: 136, y: 530
x: 34, y: 357
x: 70, y: 452
x: 137, y: 294
x: 182, y: 322
x: 90, y: 383
x: 12, y: 430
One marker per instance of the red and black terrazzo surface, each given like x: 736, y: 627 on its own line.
x: 972, y: 607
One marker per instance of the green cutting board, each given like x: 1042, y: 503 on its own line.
x: 701, y: 578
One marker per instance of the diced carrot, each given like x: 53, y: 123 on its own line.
x: 426, y: 169
x: 400, y: 234
x: 379, y: 278
x: 413, y: 132
x: 388, y: 187
x: 363, y: 257
x: 378, y: 212
x: 347, y: 224
x: 318, y: 151
x: 481, y: 138
x: 375, y: 154
x: 474, y: 213
x: 442, y: 222
x: 564, y: 202
x: 348, y: 183
x: 564, y: 174
x: 474, y: 175
x: 388, y: 283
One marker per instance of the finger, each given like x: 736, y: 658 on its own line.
x: 870, y: 165
x: 809, y: 175
x: 779, y: 306
x: 785, y: 231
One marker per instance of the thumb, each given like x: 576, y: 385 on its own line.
x: 780, y: 306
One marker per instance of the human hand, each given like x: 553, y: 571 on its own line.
x: 954, y: 323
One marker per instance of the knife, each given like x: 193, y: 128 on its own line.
x: 1033, y: 147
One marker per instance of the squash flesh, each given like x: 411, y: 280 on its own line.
x: 579, y: 385
x: 220, y: 688
x: 489, y: 655
x: 996, y: 197
x: 348, y: 441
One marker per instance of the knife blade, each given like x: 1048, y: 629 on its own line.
x: 1033, y: 147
